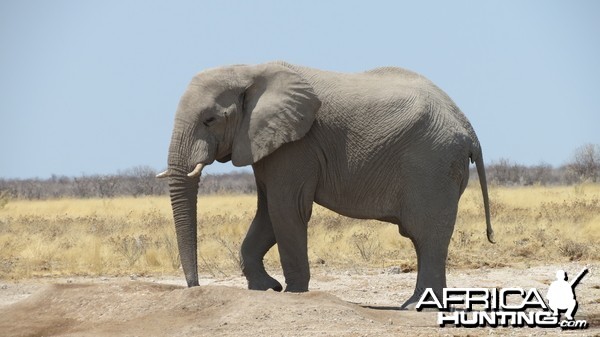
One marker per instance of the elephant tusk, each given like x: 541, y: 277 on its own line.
x: 196, y: 172
x: 163, y: 174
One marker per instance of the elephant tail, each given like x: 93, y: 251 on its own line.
x: 478, y: 159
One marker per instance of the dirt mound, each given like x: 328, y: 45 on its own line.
x: 149, y: 309
x: 161, y: 306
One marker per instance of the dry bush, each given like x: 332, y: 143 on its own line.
x: 573, y: 250
x: 586, y: 163
x: 366, y: 244
x: 4, y: 198
x: 122, y: 236
x: 130, y: 247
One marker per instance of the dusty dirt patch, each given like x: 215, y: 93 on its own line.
x: 338, y: 305
x: 149, y: 309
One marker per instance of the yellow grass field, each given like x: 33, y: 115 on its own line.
x: 122, y: 236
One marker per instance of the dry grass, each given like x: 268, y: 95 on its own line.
x: 534, y: 225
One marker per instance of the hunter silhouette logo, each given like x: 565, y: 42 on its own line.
x: 515, y: 307
x: 561, y: 294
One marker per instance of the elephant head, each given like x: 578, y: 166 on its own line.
x: 238, y: 113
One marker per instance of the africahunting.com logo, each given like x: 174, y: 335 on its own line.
x: 515, y: 307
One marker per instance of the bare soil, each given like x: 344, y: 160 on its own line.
x: 340, y: 303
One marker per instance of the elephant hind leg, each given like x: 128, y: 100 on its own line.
x: 259, y: 239
x: 430, y: 233
x: 431, y: 269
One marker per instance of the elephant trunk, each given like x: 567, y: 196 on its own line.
x: 184, y: 196
x: 184, y: 176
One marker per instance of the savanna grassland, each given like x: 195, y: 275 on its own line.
x: 122, y: 236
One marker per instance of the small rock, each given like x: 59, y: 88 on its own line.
x: 394, y: 270
x: 4, y: 287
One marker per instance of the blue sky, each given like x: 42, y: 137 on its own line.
x: 91, y: 87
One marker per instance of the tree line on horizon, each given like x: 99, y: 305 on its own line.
x: 141, y: 181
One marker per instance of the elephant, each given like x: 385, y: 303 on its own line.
x: 384, y: 144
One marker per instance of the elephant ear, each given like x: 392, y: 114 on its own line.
x: 279, y: 107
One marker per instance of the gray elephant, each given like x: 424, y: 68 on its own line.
x: 385, y: 144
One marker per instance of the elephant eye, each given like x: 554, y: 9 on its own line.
x: 209, y: 121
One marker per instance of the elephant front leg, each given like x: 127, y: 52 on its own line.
x: 290, y: 223
x: 290, y: 179
x: 259, y: 239
x: 293, y: 252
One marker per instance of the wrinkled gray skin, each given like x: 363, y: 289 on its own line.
x: 384, y: 144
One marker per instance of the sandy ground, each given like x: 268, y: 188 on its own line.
x: 340, y: 303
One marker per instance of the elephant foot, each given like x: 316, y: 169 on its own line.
x: 264, y: 283
x: 410, y: 304
x: 291, y: 288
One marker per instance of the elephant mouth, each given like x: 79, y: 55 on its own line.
x: 224, y: 159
